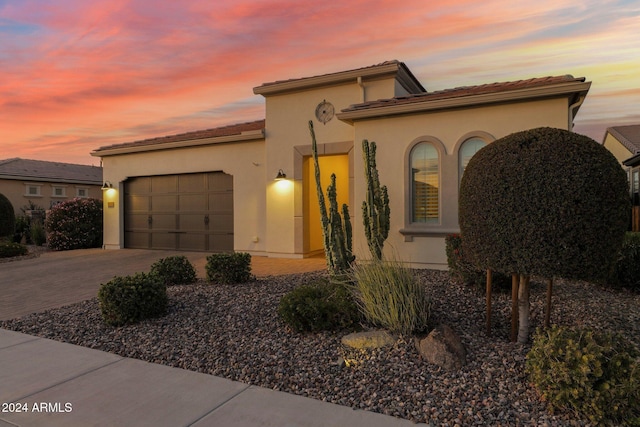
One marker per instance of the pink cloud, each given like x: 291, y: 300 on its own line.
x: 84, y: 74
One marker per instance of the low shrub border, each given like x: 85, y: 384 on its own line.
x: 319, y: 306
x: 10, y: 249
x: 229, y: 268
x: 174, y: 270
x: 129, y: 299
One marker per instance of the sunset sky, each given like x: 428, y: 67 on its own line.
x: 76, y: 75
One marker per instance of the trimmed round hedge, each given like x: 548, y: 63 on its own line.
x: 544, y: 201
x: 130, y: 299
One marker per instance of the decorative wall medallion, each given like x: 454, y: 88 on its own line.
x: 324, y: 112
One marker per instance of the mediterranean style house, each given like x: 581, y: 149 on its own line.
x: 216, y: 189
x: 44, y: 184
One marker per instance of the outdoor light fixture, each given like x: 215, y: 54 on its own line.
x: 106, y: 186
x: 281, y: 175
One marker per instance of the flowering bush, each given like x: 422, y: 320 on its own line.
x: 75, y: 224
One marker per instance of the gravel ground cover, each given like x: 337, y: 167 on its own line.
x: 234, y: 332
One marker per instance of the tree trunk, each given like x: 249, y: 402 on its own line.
x: 489, y: 280
x: 523, y: 309
x: 514, y: 306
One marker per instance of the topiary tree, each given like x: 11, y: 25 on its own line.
x: 75, y: 224
x: 544, y: 202
x: 7, y: 217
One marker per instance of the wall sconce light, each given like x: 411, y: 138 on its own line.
x: 106, y: 186
x: 281, y: 175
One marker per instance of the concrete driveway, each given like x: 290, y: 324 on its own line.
x: 55, y: 279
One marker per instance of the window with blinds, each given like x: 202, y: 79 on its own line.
x: 425, y: 183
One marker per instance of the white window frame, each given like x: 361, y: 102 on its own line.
x: 86, y: 192
x: 29, y: 186
x: 63, y: 189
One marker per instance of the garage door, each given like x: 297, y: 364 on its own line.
x: 190, y: 212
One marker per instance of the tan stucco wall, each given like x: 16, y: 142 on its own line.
x: 245, y: 161
x: 395, y: 136
x: 15, y: 191
x: 616, y: 148
x: 287, y: 118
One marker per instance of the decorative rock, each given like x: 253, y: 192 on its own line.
x: 443, y: 347
x: 370, y: 339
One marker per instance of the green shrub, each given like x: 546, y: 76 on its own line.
x: 626, y: 271
x: 129, y: 299
x: 596, y: 375
x: 75, y: 224
x: 390, y: 296
x: 461, y: 270
x: 7, y: 217
x: 10, y: 249
x: 230, y: 268
x: 22, y: 230
x: 174, y: 270
x: 38, y: 235
x: 319, y: 306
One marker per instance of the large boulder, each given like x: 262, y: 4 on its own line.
x: 443, y: 347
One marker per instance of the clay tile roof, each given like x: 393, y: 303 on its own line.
x: 38, y: 170
x: 629, y: 136
x: 465, y: 91
x: 229, y: 130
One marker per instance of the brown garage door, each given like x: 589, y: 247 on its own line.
x: 190, y: 212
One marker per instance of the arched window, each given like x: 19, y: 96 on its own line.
x: 468, y: 148
x: 425, y: 183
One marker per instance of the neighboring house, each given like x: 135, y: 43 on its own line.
x: 624, y: 143
x: 215, y: 190
x: 45, y: 184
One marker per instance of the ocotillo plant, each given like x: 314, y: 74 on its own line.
x: 336, y: 230
x: 375, y: 210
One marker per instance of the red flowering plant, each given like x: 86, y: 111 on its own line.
x: 75, y: 224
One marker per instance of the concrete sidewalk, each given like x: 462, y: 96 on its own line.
x: 48, y: 383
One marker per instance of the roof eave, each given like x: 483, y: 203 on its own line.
x: 632, y: 161
x: 577, y: 89
x: 28, y: 178
x: 245, y: 136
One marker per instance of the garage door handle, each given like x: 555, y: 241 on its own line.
x: 149, y: 219
x: 177, y: 232
x: 206, y: 219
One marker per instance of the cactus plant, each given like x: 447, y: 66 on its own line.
x: 336, y: 229
x: 375, y: 210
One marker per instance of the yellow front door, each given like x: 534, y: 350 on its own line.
x: 338, y: 165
